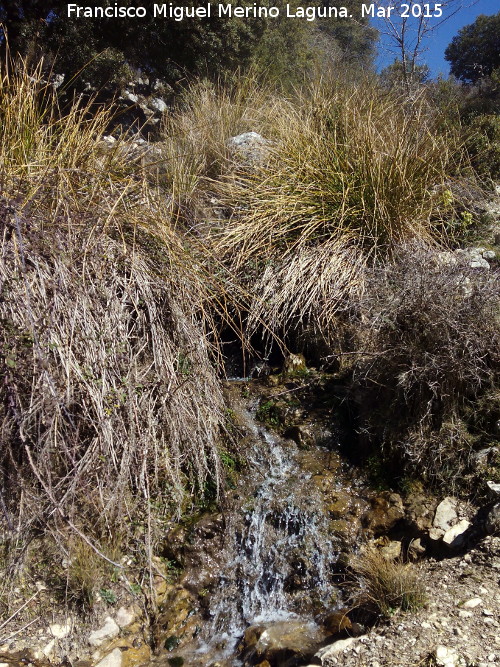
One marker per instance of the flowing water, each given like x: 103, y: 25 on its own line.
x: 276, y: 564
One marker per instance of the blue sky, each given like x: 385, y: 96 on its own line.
x: 439, y: 40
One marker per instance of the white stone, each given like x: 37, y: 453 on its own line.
x: 493, y: 486
x: 158, y: 104
x: 446, y: 514
x: 489, y: 254
x: 124, y: 617
x: 454, y: 536
x: 465, y: 614
x: 336, y: 648
x: 447, y: 657
x: 108, y: 631
x: 479, y: 263
x: 61, y: 630
x: 488, y: 612
x: 113, y: 659
x: 472, y: 603
x: 48, y: 649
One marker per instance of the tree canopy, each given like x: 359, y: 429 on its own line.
x: 170, y: 49
x: 475, y: 52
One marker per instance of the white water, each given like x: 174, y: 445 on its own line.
x: 280, y: 555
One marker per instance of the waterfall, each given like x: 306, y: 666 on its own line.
x: 278, y: 552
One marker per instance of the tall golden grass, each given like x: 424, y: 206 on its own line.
x: 112, y: 407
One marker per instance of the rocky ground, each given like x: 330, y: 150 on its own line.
x: 460, y: 625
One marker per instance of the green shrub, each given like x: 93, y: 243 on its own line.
x: 483, y: 145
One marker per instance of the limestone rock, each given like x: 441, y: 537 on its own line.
x: 447, y: 657
x: 446, y: 514
x: 61, y: 630
x: 391, y: 550
x: 249, y: 147
x: 334, y: 649
x: 494, y: 487
x: 113, y: 659
x: 472, y: 603
x: 124, y: 617
x: 454, y: 537
x: 108, y: 631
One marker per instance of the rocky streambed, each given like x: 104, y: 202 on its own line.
x: 266, y: 578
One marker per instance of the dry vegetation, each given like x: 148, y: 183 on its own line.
x: 387, y: 585
x: 115, y: 279
x: 112, y: 409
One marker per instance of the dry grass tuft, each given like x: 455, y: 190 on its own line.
x: 388, y: 585
x: 111, y: 408
x: 352, y: 173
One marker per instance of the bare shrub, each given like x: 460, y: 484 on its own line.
x: 429, y: 347
x: 111, y: 408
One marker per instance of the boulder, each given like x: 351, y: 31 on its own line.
x: 454, y: 537
x: 446, y: 514
x: 284, y: 642
x: 385, y: 512
x: 249, y: 147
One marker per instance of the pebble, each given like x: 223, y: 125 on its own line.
x: 108, y: 631
x: 472, y: 603
x: 465, y: 614
x: 487, y: 612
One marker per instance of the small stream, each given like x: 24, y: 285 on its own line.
x: 277, y: 560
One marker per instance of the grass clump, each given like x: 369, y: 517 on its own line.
x: 111, y: 407
x: 353, y: 172
x: 388, y: 585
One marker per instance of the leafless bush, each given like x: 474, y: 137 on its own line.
x: 111, y: 407
x: 430, y: 338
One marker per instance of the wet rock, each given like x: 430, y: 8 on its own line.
x: 108, y: 631
x: 385, y: 512
x: 133, y: 657
x: 337, y: 622
x: 301, y: 435
x: 339, y: 505
x: 285, y: 642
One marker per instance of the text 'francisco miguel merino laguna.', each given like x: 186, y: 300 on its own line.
x: 307, y: 12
